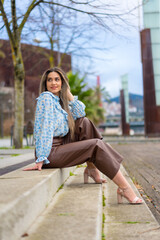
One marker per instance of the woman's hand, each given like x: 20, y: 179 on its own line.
x: 69, y: 94
x: 38, y: 167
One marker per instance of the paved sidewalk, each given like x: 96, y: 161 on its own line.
x: 142, y: 162
x: 6, y: 142
x: 12, y: 159
x: 129, y: 139
x: 7, y: 151
x: 126, y: 221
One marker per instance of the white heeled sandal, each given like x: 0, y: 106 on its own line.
x: 94, y: 174
x: 122, y: 193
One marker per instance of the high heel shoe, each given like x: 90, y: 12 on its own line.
x: 94, y: 174
x: 123, y: 193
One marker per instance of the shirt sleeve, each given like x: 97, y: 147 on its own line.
x: 77, y: 108
x: 44, y: 128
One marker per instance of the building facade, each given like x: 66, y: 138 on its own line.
x: 35, y: 63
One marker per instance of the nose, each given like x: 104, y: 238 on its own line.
x: 53, y: 82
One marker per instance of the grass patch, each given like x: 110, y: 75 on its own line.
x: 60, y: 187
x: 79, y: 166
x: 103, y: 236
x: 103, y: 215
x: 103, y: 218
x: 13, y: 147
x: 103, y: 221
x: 14, y: 155
x: 28, y: 147
x: 131, y: 222
x: 122, y: 143
x: 5, y: 147
x: 71, y: 174
x: 135, y: 222
x: 65, y: 214
x: 138, y: 186
x: 103, y: 200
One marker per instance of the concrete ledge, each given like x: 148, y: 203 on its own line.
x: 75, y: 212
x: 13, y: 163
x: 29, y: 205
x: 24, y: 195
x: 9, y: 161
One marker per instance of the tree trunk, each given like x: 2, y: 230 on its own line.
x: 51, y: 57
x: 19, y: 97
x: 51, y: 60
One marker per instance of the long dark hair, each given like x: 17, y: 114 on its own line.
x: 63, y: 94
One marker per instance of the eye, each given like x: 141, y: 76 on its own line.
x: 57, y: 79
x: 49, y: 79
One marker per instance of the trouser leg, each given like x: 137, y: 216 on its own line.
x: 102, y: 155
x: 84, y: 129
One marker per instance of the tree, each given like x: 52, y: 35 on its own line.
x: 89, y: 96
x: 60, y: 30
x: 15, y: 21
x: 2, y: 55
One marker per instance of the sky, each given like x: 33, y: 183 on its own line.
x: 124, y: 55
x: 124, y: 58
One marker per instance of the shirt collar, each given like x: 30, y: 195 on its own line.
x: 53, y: 95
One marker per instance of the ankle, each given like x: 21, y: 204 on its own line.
x: 90, y: 165
x: 124, y: 186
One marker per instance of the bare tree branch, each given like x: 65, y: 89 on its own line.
x: 26, y: 15
x: 14, y: 20
x: 6, y: 22
x: 86, y: 2
x: 96, y: 14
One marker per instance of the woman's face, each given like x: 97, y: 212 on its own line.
x: 54, y: 83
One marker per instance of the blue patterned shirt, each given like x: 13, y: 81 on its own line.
x: 52, y: 121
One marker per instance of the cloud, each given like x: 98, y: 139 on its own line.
x: 125, y: 58
x: 123, y: 55
x: 112, y: 85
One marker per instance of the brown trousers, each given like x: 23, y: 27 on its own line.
x: 87, y: 146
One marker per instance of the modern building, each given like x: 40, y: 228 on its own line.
x: 150, y: 47
x: 35, y: 63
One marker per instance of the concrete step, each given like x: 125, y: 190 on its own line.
x: 24, y: 195
x: 74, y: 213
x: 30, y: 208
x: 126, y: 221
x: 12, y: 163
x: 15, y: 157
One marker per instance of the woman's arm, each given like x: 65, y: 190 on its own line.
x: 43, y: 130
x: 70, y: 96
x: 44, y: 127
x: 77, y: 107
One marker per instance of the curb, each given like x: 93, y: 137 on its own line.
x: 30, y: 196
x: 75, y: 212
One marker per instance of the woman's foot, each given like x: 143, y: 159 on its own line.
x: 94, y: 174
x: 129, y: 194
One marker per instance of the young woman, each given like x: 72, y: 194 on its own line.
x: 64, y: 137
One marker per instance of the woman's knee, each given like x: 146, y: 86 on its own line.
x: 82, y: 119
x: 81, y: 123
x: 96, y: 142
x: 85, y: 122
